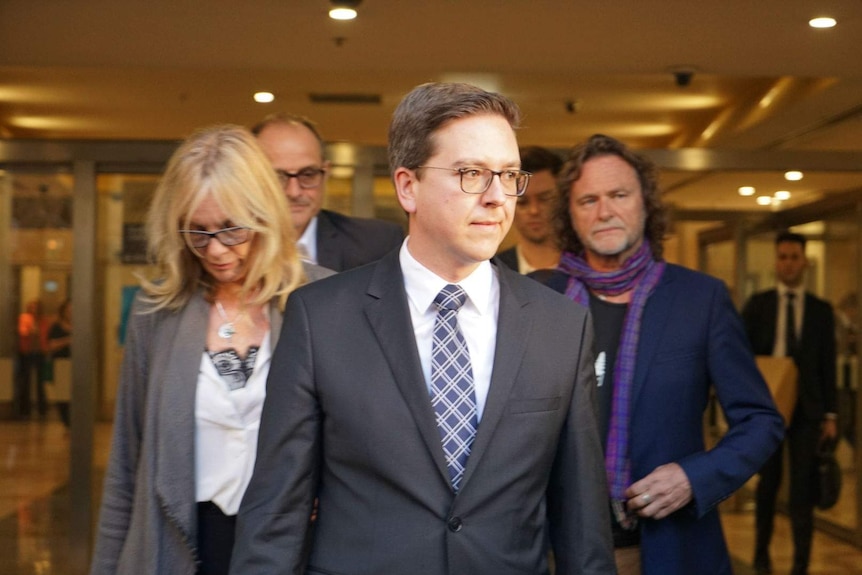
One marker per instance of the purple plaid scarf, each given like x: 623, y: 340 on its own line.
x: 642, y: 273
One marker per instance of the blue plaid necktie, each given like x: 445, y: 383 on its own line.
x: 452, y: 383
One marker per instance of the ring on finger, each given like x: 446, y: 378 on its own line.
x: 646, y: 498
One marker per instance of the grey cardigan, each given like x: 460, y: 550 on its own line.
x: 148, y: 518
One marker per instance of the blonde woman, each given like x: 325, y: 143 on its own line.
x: 197, y: 355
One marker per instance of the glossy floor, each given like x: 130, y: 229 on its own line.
x: 34, y: 510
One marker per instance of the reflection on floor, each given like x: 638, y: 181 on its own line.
x: 34, y: 510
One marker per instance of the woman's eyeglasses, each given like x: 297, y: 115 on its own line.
x: 200, y: 239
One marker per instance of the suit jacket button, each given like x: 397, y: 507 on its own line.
x: 455, y: 524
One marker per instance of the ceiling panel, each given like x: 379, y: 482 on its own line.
x: 761, y: 79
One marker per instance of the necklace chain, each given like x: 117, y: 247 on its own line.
x: 227, y: 329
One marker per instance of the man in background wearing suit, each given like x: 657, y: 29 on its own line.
x: 326, y: 238
x: 537, y: 244
x: 667, y: 338
x: 789, y: 322
x: 440, y: 406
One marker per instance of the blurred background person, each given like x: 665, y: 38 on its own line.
x: 196, y: 359
x: 847, y: 335
x: 330, y: 239
x: 31, y: 330
x: 537, y: 244
x: 788, y: 321
x: 59, y: 346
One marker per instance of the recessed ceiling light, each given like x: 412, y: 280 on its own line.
x: 822, y: 22
x: 342, y: 13
x: 764, y: 200
x: 264, y: 97
x: 793, y: 176
x: 746, y: 191
x: 781, y: 195
x: 343, y: 9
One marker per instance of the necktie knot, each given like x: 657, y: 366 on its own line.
x: 451, y: 298
x: 790, y: 297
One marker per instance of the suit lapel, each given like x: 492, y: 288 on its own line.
x: 328, y: 254
x: 809, y: 333
x: 389, y: 316
x: 771, y: 318
x: 514, y: 327
x: 658, y: 306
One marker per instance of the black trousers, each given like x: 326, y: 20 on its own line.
x: 28, y: 372
x: 801, y: 439
x: 216, y: 533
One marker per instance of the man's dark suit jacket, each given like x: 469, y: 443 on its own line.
x: 816, y: 361
x: 344, y: 242
x: 348, y: 418
x: 509, y: 257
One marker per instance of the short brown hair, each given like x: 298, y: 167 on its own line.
x: 537, y: 159
x: 428, y: 107
x: 600, y: 145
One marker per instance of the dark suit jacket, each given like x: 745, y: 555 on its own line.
x: 348, y: 418
x: 692, y: 343
x: 344, y: 242
x: 816, y: 361
x: 509, y: 257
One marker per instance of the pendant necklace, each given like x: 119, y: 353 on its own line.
x: 227, y: 329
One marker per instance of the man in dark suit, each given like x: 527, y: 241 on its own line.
x: 537, y: 239
x: 789, y: 322
x: 326, y: 238
x: 666, y: 339
x: 436, y: 441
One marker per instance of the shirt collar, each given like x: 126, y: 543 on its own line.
x: 783, y: 290
x: 423, y: 285
x: 308, y: 242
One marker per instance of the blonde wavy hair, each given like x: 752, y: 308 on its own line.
x: 224, y: 163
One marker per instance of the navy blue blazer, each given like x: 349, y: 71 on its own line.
x: 344, y: 242
x: 692, y: 344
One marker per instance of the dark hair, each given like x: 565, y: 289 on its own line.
x: 537, y: 159
x: 290, y: 119
x: 597, y: 146
x: 428, y: 107
x: 788, y: 236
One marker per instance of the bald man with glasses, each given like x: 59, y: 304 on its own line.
x: 326, y: 238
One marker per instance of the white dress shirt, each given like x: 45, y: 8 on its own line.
x: 226, y: 425
x: 477, y: 318
x: 307, y: 243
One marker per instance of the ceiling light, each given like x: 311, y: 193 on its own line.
x: 264, y: 97
x: 764, y: 200
x: 343, y: 9
x: 746, y: 191
x: 822, y: 22
x: 781, y: 195
x: 793, y: 176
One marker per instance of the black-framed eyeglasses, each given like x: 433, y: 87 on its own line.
x: 477, y: 180
x: 200, y: 239
x: 308, y: 178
